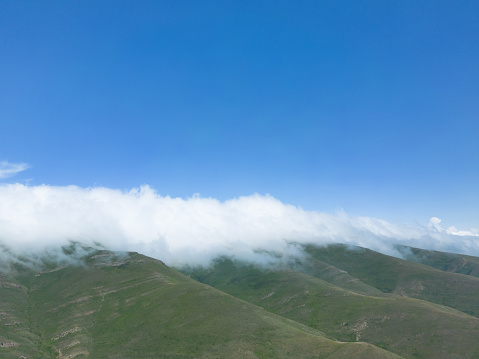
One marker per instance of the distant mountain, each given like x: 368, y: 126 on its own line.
x: 448, y: 262
x: 126, y: 305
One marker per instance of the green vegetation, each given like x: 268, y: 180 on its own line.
x: 402, y: 277
x: 361, y: 295
x: 334, y: 302
x: 448, y: 262
x: 17, y: 337
x: 117, y: 305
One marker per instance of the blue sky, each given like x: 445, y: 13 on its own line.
x: 371, y: 106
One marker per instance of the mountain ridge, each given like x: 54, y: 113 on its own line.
x: 132, y: 306
x: 397, y: 320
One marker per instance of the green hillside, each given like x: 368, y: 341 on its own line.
x: 131, y: 306
x: 344, y: 307
x: 448, y: 262
x: 402, y: 277
x: 16, y: 337
x: 334, y: 302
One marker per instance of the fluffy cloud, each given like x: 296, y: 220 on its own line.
x: 8, y: 169
x: 435, y: 224
x: 193, y: 230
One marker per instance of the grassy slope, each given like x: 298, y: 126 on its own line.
x: 336, y: 276
x: 16, y: 335
x: 135, y: 307
x: 398, y: 276
x: 409, y: 327
x: 447, y: 262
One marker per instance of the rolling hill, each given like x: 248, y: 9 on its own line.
x: 126, y: 305
x: 448, y: 262
x: 402, y: 277
x: 354, y: 294
x: 335, y: 301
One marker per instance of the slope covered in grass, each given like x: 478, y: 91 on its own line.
x: 447, y: 262
x: 410, y: 327
x: 402, y: 277
x: 17, y: 337
x: 131, y: 306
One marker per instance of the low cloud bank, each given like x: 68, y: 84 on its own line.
x: 195, y: 230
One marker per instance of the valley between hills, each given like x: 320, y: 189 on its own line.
x: 331, y: 302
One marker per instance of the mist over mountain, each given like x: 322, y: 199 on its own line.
x: 35, y: 219
x: 239, y: 179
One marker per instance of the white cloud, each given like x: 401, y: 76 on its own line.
x: 435, y: 224
x: 193, y: 230
x: 8, y: 169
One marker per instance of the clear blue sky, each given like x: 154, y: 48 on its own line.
x: 369, y: 106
